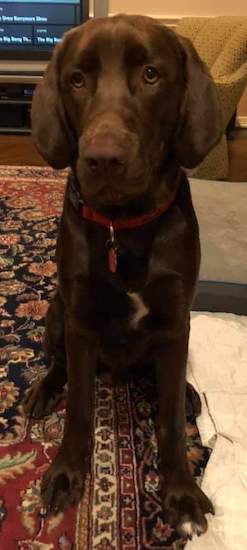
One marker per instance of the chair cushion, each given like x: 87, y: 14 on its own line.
x: 233, y: 52
x: 222, y: 44
x: 223, y: 31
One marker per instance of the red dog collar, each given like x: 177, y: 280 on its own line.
x: 116, y: 224
x: 89, y: 214
x: 129, y: 223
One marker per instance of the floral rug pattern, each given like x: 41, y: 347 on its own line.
x: 120, y: 509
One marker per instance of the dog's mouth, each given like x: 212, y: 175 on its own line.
x: 112, y: 190
x: 112, y: 196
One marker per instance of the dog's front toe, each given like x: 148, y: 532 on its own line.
x: 186, y: 508
x: 62, y: 486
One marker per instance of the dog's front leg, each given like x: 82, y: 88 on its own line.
x: 185, y: 505
x: 63, y: 483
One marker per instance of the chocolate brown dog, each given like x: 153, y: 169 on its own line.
x: 125, y: 103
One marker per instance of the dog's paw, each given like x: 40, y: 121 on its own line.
x: 62, y: 485
x: 185, y: 508
x: 37, y: 402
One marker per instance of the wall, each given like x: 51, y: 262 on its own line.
x: 179, y: 8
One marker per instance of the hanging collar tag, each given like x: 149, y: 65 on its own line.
x: 112, y: 247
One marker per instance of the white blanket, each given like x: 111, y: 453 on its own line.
x: 217, y: 368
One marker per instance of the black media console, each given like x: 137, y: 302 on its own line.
x: 15, y: 106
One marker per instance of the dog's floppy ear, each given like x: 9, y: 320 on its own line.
x: 51, y: 133
x: 199, y: 126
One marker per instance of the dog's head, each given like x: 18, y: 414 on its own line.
x: 121, y: 98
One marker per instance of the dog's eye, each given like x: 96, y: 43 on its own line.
x: 77, y: 79
x: 150, y: 75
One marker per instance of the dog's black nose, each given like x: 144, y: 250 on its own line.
x: 104, y: 155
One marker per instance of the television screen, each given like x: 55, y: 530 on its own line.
x: 34, y: 27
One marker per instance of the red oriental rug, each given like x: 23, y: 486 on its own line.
x: 121, y: 505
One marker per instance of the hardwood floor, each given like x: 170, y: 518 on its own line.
x: 20, y: 150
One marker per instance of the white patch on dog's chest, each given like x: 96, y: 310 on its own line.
x: 141, y: 310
